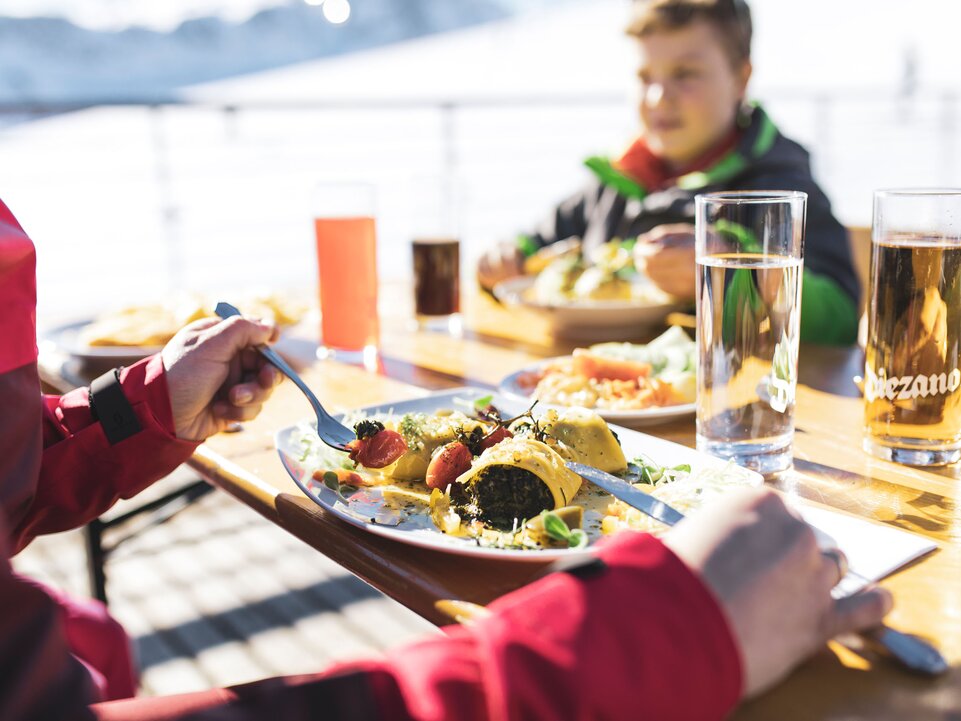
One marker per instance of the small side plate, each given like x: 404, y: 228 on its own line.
x: 512, y: 387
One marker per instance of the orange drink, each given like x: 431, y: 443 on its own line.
x: 346, y: 269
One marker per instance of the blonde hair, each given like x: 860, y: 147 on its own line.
x: 731, y: 19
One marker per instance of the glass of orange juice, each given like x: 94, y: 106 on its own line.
x: 347, y: 271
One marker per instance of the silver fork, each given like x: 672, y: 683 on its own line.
x: 331, y: 431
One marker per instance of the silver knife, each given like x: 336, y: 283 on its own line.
x: 917, y: 655
x: 624, y: 491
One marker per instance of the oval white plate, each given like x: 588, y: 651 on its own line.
x: 587, y: 319
x: 512, y: 388
x: 416, y: 528
x: 66, y: 339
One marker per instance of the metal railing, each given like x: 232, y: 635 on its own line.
x: 200, y: 189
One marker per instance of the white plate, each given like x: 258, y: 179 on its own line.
x: 66, y: 339
x: 512, y: 388
x: 417, y: 529
x: 593, y: 320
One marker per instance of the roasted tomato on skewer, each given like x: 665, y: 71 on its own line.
x: 376, y: 446
x: 495, y: 436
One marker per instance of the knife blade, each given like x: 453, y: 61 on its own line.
x: 624, y: 491
x: 912, y: 652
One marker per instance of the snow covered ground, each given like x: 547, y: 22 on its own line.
x: 199, y: 197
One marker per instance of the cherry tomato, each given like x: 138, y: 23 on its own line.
x: 448, y: 463
x: 378, y: 450
x: 495, y: 436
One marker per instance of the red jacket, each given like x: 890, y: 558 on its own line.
x: 640, y: 639
x: 637, y: 636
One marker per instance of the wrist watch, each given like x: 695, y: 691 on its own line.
x: 109, y: 406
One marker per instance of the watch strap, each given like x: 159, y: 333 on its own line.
x: 110, y: 407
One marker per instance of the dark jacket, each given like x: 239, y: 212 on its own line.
x: 614, y: 205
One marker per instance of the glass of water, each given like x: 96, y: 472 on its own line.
x: 749, y: 248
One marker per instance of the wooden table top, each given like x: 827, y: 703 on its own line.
x: 830, y: 468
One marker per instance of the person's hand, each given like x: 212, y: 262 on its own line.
x: 666, y: 256
x: 214, y: 375
x: 501, y: 262
x: 763, y: 564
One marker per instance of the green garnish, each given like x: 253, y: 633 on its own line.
x: 411, y: 427
x: 368, y: 428
x: 333, y: 483
x: 652, y: 473
x: 482, y: 402
x: 555, y: 528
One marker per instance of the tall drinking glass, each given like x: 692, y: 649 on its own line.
x: 347, y: 271
x: 749, y: 249
x: 435, y: 252
x: 912, y: 381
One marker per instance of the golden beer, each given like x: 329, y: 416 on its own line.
x: 912, y: 381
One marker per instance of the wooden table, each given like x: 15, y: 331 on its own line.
x: 830, y: 467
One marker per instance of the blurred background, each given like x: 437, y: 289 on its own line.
x: 177, y: 145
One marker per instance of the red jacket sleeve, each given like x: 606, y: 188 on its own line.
x: 39, y: 679
x: 642, y: 638
x: 81, y: 474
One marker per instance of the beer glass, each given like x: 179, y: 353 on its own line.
x: 912, y: 381
x: 748, y: 249
x: 347, y: 270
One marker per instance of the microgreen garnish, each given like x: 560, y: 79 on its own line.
x: 555, y: 528
x: 332, y: 482
x: 482, y: 402
x: 653, y: 473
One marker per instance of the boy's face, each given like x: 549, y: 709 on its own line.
x: 689, y: 91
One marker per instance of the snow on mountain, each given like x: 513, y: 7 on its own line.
x: 121, y: 14
x: 53, y: 59
x: 572, y: 50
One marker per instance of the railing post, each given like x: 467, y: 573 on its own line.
x: 96, y: 559
x: 169, y: 213
x: 449, y: 161
x: 230, y: 122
